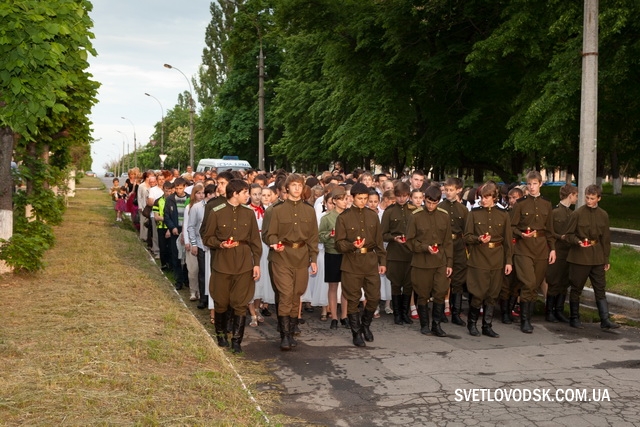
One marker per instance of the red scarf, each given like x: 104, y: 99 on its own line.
x: 259, y: 210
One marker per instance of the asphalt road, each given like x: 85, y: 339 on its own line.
x: 404, y: 377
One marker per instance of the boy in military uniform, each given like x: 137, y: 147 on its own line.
x: 558, y: 272
x: 232, y: 230
x: 510, y: 285
x: 589, y: 235
x: 532, y: 226
x: 293, y: 235
x: 429, y: 238
x: 359, y: 238
x: 458, y: 215
x: 487, y: 234
x: 395, y: 220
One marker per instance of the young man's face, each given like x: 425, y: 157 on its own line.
x: 381, y: 180
x: 360, y: 200
x: 573, y: 198
x: 417, y: 181
x: 256, y: 195
x: 487, y: 201
x: 295, y: 190
x: 591, y: 200
x: 533, y: 185
x: 167, y: 191
x: 513, y: 198
x: 417, y: 198
x: 222, y: 186
x: 373, y: 202
x: 402, y: 199
x: 431, y: 205
x: 243, y: 196
x: 367, y: 180
x: 179, y: 190
x: 451, y: 193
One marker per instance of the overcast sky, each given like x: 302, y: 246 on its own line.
x: 134, y: 38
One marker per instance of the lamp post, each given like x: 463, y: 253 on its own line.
x: 161, y: 131
x: 191, y: 112
x: 124, y: 135
x: 135, y: 145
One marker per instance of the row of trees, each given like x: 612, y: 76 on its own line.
x: 467, y: 87
x: 46, y: 95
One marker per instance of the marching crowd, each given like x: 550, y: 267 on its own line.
x: 355, y: 244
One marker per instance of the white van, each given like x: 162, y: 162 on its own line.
x: 222, y: 165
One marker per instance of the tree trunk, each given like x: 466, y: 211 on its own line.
x: 6, y: 188
x: 615, y: 170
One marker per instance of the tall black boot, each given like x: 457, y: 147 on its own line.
x: 285, y: 332
x: 436, y: 317
x: 603, y: 311
x: 443, y: 316
x: 487, y: 319
x: 404, y: 309
x: 574, y: 315
x: 293, y: 327
x: 220, y: 324
x: 238, y: 333
x: 505, y: 311
x: 229, y: 318
x: 423, y: 314
x: 395, y: 305
x: 356, y: 331
x: 549, y: 308
x: 525, y: 319
x: 472, y: 320
x: 455, y: 303
x: 367, y: 317
x: 559, y: 311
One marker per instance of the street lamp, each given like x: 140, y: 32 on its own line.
x: 124, y: 135
x: 161, y: 132
x: 135, y: 145
x: 191, y: 112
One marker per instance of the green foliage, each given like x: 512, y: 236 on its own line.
x: 25, y: 249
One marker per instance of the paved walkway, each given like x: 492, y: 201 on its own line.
x: 408, y: 378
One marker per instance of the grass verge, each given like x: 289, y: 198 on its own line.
x: 101, y: 338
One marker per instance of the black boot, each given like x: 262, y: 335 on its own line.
x: 574, y: 315
x: 603, y: 311
x: 436, y: 317
x: 229, y: 318
x: 549, y: 309
x: 505, y: 311
x: 472, y: 319
x: 285, y: 332
x: 559, y: 311
x: 238, y: 333
x: 220, y: 322
x: 365, y: 320
x: 356, y: 329
x: 404, y: 309
x: 455, y: 303
x: 487, y: 319
x: 293, y: 327
x: 395, y: 305
x: 423, y: 314
x: 525, y: 319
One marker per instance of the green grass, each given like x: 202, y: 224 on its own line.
x: 622, y: 209
x: 623, y: 278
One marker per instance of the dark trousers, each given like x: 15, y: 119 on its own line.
x: 579, y: 275
x: 352, y: 286
x: 163, y: 246
x: 201, y: 271
x: 178, y: 271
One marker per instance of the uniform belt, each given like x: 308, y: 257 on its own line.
x: 361, y: 250
x: 492, y: 245
x: 456, y: 236
x: 294, y: 245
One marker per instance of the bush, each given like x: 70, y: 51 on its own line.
x: 25, y: 250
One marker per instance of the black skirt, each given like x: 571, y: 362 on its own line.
x: 332, y: 263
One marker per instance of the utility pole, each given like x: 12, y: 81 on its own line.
x: 261, y: 109
x: 589, y: 104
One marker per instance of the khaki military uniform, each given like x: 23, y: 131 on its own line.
x: 265, y: 227
x: 487, y: 260
x: 531, y: 254
x: 231, y: 283
x: 360, y: 266
x: 458, y: 215
x: 428, y: 271
x: 558, y: 273
x: 395, y: 220
x: 294, y: 224
x: 591, y: 224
